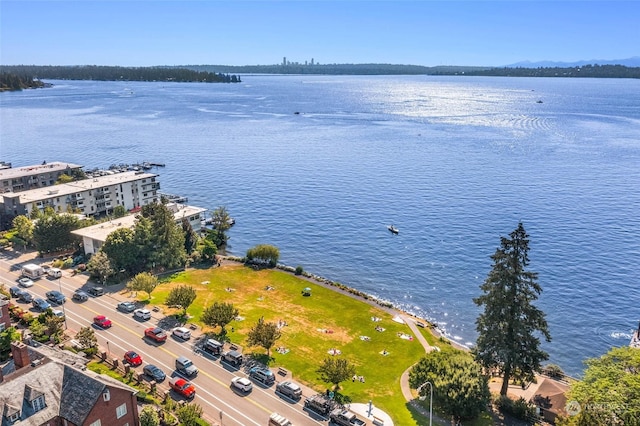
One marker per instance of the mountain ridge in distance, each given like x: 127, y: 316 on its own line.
x: 634, y: 61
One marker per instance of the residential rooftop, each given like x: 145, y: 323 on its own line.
x: 38, y: 194
x: 16, y: 172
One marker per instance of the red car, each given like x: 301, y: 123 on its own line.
x: 156, y: 333
x: 102, y: 321
x: 132, y: 358
x: 183, y: 387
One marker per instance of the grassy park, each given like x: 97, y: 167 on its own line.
x: 315, y: 324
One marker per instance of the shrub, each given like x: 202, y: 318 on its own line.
x: 520, y: 408
x: 554, y: 371
x: 299, y: 270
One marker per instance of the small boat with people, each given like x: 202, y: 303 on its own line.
x: 393, y: 229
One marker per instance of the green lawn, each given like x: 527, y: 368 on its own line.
x: 345, y: 317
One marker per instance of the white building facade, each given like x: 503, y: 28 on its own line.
x: 91, y: 197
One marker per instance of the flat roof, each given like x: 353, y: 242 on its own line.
x: 33, y: 195
x: 16, y: 172
x: 100, y: 231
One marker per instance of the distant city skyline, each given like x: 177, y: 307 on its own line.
x: 429, y: 33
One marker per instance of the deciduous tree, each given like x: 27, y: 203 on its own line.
x: 100, y: 267
x: 264, y: 334
x: 87, y: 338
x: 182, y: 295
x: 219, y: 314
x: 335, y: 371
x: 52, y: 232
x: 189, y: 414
x: 609, y: 392
x: 123, y: 251
x: 264, y: 253
x: 24, y: 228
x: 144, y: 281
x: 509, y: 325
x: 459, y: 387
x: 149, y: 416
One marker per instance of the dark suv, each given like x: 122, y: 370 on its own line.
x: 212, y: 346
x: 56, y: 297
x: 263, y: 375
x: 319, y: 404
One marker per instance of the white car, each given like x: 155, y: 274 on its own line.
x: 143, y: 314
x: 182, y: 332
x: 25, y: 282
x: 242, y: 383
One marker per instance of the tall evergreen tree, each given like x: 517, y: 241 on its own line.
x: 509, y: 325
x: 167, y: 238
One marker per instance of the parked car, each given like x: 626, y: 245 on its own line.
x: 15, y: 291
x: 289, y: 389
x: 126, y: 306
x: 142, y: 314
x: 263, y: 375
x: 96, y: 291
x: 212, y: 346
x: 242, y: 384
x: 25, y: 282
x: 56, y: 297
x: 276, y: 419
x: 58, y: 313
x: 102, y: 321
x: 80, y: 296
x: 182, y: 332
x: 185, y: 366
x: 132, y: 358
x: 182, y: 387
x: 232, y: 357
x: 25, y: 297
x: 155, y: 333
x: 41, y: 304
x: 54, y: 273
x: 154, y: 372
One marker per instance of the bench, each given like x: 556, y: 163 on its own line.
x: 377, y: 421
x: 193, y: 326
x: 283, y: 371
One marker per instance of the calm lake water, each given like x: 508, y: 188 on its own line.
x: 453, y: 162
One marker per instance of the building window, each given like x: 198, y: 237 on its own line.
x: 14, y: 417
x: 96, y: 423
x: 121, y: 410
x: 38, y: 403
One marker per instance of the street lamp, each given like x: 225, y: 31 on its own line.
x: 422, y: 398
x: 64, y: 313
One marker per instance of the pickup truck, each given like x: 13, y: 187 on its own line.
x: 344, y: 418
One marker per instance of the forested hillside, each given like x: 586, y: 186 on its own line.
x: 105, y: 73
x: 10, y: 81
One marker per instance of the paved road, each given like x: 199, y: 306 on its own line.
x: 214, y: 394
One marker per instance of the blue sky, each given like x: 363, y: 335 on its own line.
x: 237, y: 32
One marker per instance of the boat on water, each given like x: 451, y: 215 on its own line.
x: 393, y: 229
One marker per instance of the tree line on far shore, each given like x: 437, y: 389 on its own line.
x: 114, y: 73
x: 10, y: 81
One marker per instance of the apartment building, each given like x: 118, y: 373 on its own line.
x: 32, y: 177
x: 94, y: 237
x: 45, y: 386
x: 92, y: 197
